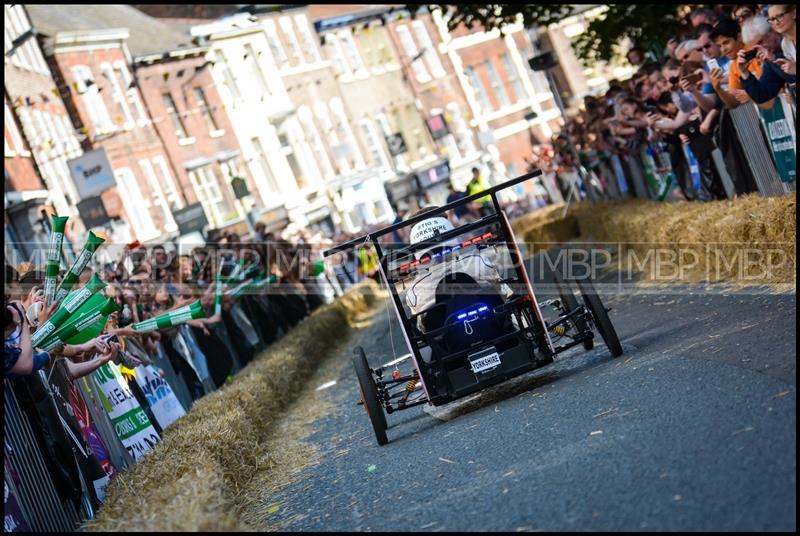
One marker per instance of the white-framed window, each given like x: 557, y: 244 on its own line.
x: 309, y: 45
x: 373, y: 142
x: 511, y: 74
x: 263, y: 163
x: 43, y: 137
x: 13, y: 131
x: 411, y: 51
x: 261, y: 86
x: 92, y: 100
x: 386, y: 130
x: 477, y: 86
x: 159, y: 198
x: 174, y: 116
x: 69, y: 134
x: 291, y: 38
x: 353, y: 56
x: 452, y: 147
x: 206, y: 187
x: 173, y: 198
x: 56, y: 147
x: 431, y: 54
x: 133, y: 94
x: 459, y: 126
x: 230, y: 79
x: 345, y: 132
x: 290, y: 143
x: 497, y: 84
x: 137, y: 206
x: 274, y: 43
x: 321, y: 111
x: 27, y: 55
x: 312, y: 134
x: 118, y: 96
x: 205, y: 111
x: 336, y: 54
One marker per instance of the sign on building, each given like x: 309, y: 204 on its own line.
x: 93, y: 212
x: 396, y: 143
x: 92, y: 173
x: 190, y: 219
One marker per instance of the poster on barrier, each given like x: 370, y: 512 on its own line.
x: 781, y: 139
x: 90, y: 432
x: 129, y: 419
x: 163, y: 403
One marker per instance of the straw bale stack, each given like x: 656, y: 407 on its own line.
x: 195, y: 478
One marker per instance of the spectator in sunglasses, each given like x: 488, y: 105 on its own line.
x: 742, y: 12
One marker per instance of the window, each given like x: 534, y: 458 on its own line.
x: 317, y: 147
x: 230, y: 169
x: 251, y: 60
x: 288, y: 150
x: 67, y: 129
x: 351, y: 50
x: 309, y: 45
x: 56, y: 147
x: 377, y: 155
x: 27, y: 55
x: 123, y: 113
x: 263, y: 163
x: 345, y: 132
x: 133, y: 95
x: 477, y: 86
x: 136, y: 205
x: 158, y: 194
x: 92, y: 100
x: 294, y: 46
x: 336, y: 54
x: 173, y: 198
x: 411, y: 51
x: 274, y: 43
x: 230, y: 80
x: 177, y: 122
x: 497, y: 84
x: 386, y: 130
x: 206, y: 186
x: 16, y: 139
x: 202, y: 103
x: 431, y: 54
x: 511, y: 74
x: 459, y: 126
x: 321, y: 111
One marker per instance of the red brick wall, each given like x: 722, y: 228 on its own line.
x: 21, y: 172
x: 179, y: 78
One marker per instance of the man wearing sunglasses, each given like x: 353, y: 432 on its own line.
x: 706, y: 97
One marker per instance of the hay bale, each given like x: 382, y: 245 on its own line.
x: 195, y: 478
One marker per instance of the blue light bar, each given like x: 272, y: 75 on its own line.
x: 482, y: 308
x: 462, y: 315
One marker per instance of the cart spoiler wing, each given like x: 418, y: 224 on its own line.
x: 444, y: 208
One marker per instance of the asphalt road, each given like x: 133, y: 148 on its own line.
x: 693, y: 428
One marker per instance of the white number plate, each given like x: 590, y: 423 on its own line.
x: 485, y: 362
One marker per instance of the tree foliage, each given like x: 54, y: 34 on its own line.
x: 648, y: 26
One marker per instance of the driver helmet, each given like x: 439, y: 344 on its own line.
x: 428, y: 229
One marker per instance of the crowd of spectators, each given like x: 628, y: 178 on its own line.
x: 655, y: 134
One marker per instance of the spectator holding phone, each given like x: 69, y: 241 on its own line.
x: 782, y: 18
x: 713, y: 58
x: 768, y: 83
x: 727, y: 36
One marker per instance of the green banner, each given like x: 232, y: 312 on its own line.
x: 781, y: 141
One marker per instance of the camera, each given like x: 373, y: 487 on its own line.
x: 750, y: 54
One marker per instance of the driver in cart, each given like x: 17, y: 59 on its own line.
x: 462, y: 279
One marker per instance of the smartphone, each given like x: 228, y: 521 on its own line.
x: 112, y: 338
x: 750, y: 54
x: 693, y: 78
x: 712, y: 64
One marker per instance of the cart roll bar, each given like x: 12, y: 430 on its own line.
x: 444, y: 208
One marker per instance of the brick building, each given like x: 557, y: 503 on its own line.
x: 182, y: 98
x: 39, y: 138
x: 381, y: 106
x: 88, y: 55
x: 512, y: 107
